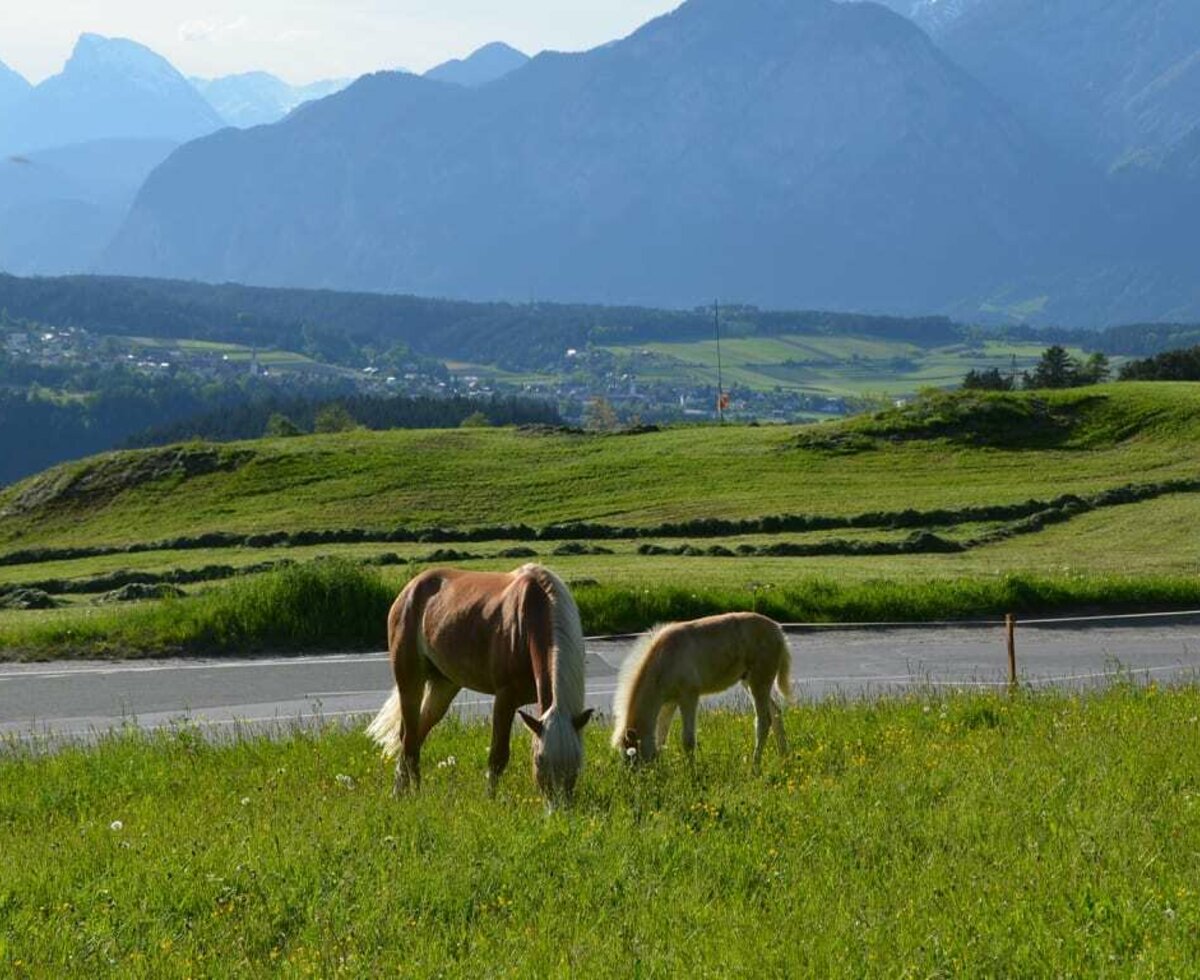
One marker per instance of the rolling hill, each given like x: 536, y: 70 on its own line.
x: 999, y: 450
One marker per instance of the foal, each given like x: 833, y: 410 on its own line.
x: 679, y: 662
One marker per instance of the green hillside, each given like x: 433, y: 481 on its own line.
x: 1048, y: 444
x: 956, y: 503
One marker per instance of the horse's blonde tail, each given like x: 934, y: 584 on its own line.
x: 387, y: 729
x: 783, y: 675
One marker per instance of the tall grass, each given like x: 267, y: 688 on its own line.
x: 323, y: 605
x: 332, y: 605
x: 967, y: 836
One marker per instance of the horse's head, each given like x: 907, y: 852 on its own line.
x: 557, y: 751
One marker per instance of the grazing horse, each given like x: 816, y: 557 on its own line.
x: 677, y: 663
x: 513, y: 635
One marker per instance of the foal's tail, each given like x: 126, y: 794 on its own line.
x: 783, y: 674
x: 388, y: 727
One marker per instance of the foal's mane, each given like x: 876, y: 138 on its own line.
x: 629, y: 680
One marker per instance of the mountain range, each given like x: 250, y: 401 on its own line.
x: 258, y: 98
x: 785, y: 151
x: 77, y: 147
x: 1027, y: 159
x: 110, y: 88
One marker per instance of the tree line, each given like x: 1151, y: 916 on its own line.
x: 1056, y: 368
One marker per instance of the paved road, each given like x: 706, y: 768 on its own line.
x: 81, y: 699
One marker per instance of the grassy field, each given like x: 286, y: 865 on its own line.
x: 915, y: 470
x: 968, y: 836
x: 835, y: 366
x: 1088, y: 440
x: 332, y: 605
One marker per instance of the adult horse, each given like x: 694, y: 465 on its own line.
x: 513, y: 635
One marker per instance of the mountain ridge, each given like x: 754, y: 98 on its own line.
x: 484, y: 65
x: 110, y: 88
x: 776, y: 132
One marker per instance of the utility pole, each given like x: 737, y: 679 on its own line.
x: 720, y: 378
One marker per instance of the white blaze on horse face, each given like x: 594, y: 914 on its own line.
x: 557, y: 756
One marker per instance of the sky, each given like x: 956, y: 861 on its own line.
x: 305, y: 40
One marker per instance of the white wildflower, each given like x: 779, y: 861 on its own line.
x: 346, y: 782
x: 116, y: 826
x: 245, y: 801
x: 631, y: 753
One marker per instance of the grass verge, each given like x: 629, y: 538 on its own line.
x: 966, y: 836
x: 336, y: 605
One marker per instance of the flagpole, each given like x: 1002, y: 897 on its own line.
x: 720, y: 377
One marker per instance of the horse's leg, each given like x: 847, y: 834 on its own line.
x: 504, y: 710
x: 687, y: 710
x: 665, y: 716
x: 408, y: 768
x: 439, y: 693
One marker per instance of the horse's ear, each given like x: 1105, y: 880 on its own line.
x: 531, y: 723
x: 582, y: 719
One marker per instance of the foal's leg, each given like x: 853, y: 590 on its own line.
x: 665, y: 716
x: 763, y: 716
x: 504, y: 710
x: 687, y: 710
x: 777, y: 724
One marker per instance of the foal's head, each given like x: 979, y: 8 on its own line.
x: 557, y: 751
x: 635, y: 749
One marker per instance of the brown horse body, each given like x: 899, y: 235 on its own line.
x: 516, y: 636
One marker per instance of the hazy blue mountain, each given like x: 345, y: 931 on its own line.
x: 60, y: 207
x: 1119, y: 79
x: 785, y: 152
x: 489, y: 63
x: 110, y: 88
x: 13, y: 88
x: 256, y: 98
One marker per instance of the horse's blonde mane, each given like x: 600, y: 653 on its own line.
x: 629, y: 678
x: 568, y: 656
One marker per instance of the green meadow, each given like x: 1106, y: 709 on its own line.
x: 1039, y: 835
x: 956, y: 505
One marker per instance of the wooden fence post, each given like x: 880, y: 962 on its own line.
x: 1010, y: 630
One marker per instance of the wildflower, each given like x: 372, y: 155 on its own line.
x: 346, y: 782
x: 245, y: 801
x: 630, y: 752
x: 448, y: 763
x: 116, y: 826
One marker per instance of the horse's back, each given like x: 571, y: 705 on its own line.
x: 468, y: 624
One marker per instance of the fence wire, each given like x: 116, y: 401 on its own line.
x: 871, y: 657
